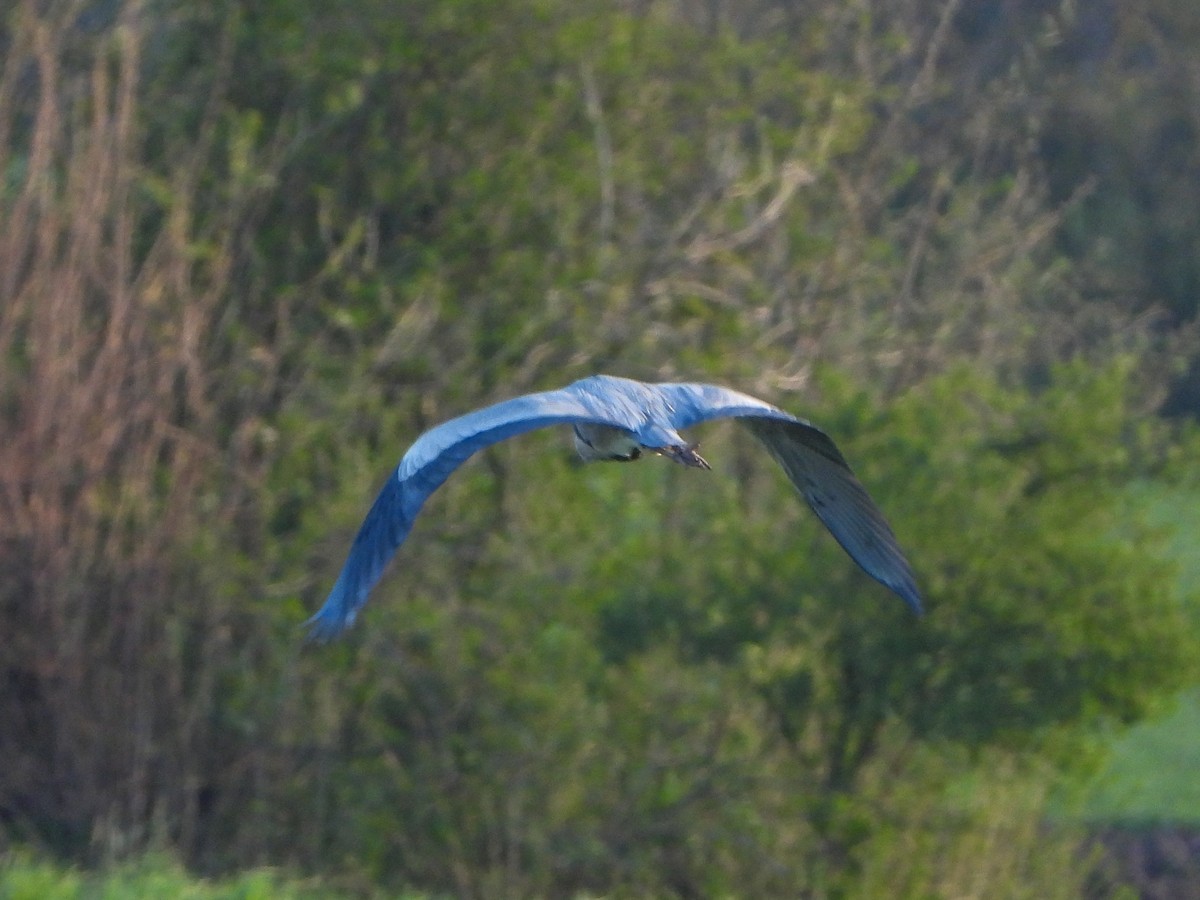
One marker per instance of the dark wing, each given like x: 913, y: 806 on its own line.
x: 818, y: 470
x: 820, y: 473
x: 426, y: 465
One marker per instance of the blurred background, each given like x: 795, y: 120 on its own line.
x: 250, y: 249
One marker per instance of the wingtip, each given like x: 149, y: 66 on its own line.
x: 908, y: 593
x: 327, y: 624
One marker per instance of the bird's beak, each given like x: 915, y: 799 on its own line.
x: 686, y: 454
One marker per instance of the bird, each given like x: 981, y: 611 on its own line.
x: 622, y: 420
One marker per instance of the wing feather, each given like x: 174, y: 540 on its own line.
x: 820, y: 473
x: 690, y: 404
x: 816, y: 467
x: 425, y: 467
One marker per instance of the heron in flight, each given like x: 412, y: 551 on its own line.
x: 620, y: 419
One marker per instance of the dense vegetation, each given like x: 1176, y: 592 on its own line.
x: 150, y: 878
x: 249, y: 249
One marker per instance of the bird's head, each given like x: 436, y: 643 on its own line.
x: 684, y: 453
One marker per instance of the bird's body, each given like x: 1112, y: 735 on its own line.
x: 617, y: 419
x: 597, y: 443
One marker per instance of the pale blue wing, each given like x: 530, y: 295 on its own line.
x: 817, y: 468
x: 428, y: 463
x: 691, y: 404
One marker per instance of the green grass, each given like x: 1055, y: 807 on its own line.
x: 23, y: 877
x: 1176, y: 510
x: 26, y: 877
x: 1151, y: 776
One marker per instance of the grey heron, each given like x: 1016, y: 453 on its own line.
x: 620, y: 419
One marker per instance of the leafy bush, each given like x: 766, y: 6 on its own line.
x: 23, y: 877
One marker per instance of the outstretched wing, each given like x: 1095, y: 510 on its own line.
x: 817, y: 468
x: 819, y: 471
x: 426, y: 465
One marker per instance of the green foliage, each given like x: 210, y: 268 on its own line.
x: 638, y: 663
x: 22, y: 877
